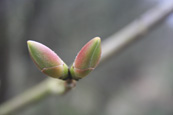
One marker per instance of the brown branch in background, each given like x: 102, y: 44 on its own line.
x: 4, y: 48
x: 110, y: 46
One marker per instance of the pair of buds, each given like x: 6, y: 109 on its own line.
x: 52, y: 65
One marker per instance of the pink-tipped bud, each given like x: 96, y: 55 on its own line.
x: 87, y: 59
x: 47, y: 60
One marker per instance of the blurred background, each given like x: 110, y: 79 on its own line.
x: 139, y: 81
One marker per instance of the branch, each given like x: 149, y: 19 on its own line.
x: 36, y: 93
x: 111, y: 46
x: 142, y: 25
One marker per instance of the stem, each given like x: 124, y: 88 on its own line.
x: 110, y: 46
x: 142, y: 25
x: 34, y: 94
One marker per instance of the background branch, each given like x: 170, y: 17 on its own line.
x: 110, y: 46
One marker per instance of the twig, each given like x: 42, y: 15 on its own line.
x: 110, y: 46
x: 142, y: 25
x: 35, y: 93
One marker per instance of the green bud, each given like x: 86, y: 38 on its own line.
x: 47, y: 60
x: 87, y: 59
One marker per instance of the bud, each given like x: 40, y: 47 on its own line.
x: 87, y: 59
x: 47, y: 60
